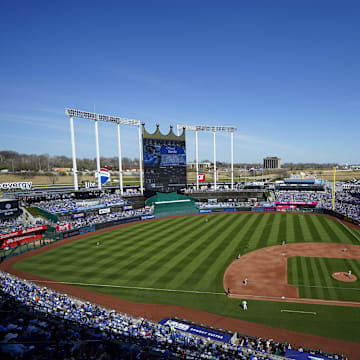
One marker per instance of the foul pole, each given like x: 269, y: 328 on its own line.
x: 197, y: 160
x: 333, y: 192
x: 120, y: 161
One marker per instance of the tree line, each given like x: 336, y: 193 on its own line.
x: 15, y: 162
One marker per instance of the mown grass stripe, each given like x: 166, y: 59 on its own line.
x: 108, y: 260
x: 194, y: 274
x: 282, y: 229
x: 156, y: 244
x: 326, y: 279
x: 315, y: 276
x: 298, y: 231
x: 164, y: 269
x: 306, y: 276
x: 183, y: 275
x: 90, y: 244
x: 210, y: 273
x: 352, y: 239
x: 177, y: 245
x: 266, y: 231
x: 315, y: 235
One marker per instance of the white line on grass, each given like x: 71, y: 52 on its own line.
x: 328, y: 287
x: 129, y: 287
x: 299, y: 311
x: 348, y: 228
x: 233, y: 295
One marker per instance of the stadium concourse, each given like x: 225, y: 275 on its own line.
x: 36, y: 317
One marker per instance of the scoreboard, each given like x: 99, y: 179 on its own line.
x: 164, y: 161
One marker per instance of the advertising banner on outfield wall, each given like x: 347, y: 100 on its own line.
x: 10, y: 243
x: 196, y: 330
x: 78, y: 215
x: 147, y: 217
x: 23, y: 232
x: 127, y: 207
x: 104, y: 211
x: 87, y: 229
x: 70, y: 233
x: 205, y: 211
x: 63, y: 227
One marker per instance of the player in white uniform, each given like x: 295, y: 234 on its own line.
x: 244, y: 304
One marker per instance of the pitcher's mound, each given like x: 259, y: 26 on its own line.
x: 344, y: 276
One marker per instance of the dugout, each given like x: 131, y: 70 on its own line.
x: 171, y: 204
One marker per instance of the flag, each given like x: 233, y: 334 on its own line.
x: 201, y: 177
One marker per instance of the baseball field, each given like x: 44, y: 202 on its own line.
x: 182, y: 261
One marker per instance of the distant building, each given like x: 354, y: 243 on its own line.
x: 202, y: 166
x: 272, y: 163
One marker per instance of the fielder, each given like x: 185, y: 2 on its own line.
x: 98, y: 243
x: 349, y: 274
x: 244, y: 304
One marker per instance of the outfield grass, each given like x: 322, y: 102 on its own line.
x: 313, y: 277
x: 190, y: 254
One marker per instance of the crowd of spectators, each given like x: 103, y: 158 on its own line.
x: 224, y: 204
x: 347, y: 202
x: 220, y: 188
x: 68, y: 203
x: 90, y: 220
x: 14, y: 224
x: 58, y: 326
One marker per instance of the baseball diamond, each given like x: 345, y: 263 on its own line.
x: 181, y: 263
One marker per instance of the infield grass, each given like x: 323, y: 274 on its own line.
x: 187, y: 253
x: 312, y: 275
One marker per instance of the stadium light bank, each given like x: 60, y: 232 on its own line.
x: 214, y: 130
x: 107, y: 118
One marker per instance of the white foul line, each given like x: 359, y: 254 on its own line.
x: 299, y: 311
x: 233, y: 295
x: 128, y: 287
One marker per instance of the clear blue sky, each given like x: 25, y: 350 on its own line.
x: 285, y: 73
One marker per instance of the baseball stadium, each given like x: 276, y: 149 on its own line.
x: 174, y: 269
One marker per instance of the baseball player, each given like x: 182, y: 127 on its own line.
x: 349, y: 274
x: 245, y: 281
x: 244, y: 304
x: 98, y: 243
